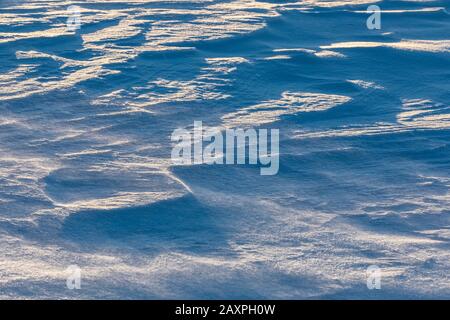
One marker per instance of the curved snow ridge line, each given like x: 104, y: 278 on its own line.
x: 11, y: 77
x: 214, y: 21
x: 20, y: 178
x: 220, y: 20
x: 63, y: 182
x: 417, y: 114
x: 290, y: 103
x: 126, y: 28
x: 32, y: 86
x: 42, y: 4
x: 417, y: 204
x: 115, y: 199
x: 424, y: 114
x: 50, y: 185
x: 428, y: 9
x: 207, y: 22
x: 123, y: 182
x: 317, y: 53
x: 120, y: 200
x: 211, y: 20
x: 366, y: 84
x: 435, y: 46
x: 49, y: 33
x: 205, y: 86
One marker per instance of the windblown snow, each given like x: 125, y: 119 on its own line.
x: 86, y: 177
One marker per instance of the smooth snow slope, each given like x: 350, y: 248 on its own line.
x: 85, y: 171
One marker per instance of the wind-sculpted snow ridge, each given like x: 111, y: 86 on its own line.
x: 414, y: 45
x: 290, y: 103
x: 199, y: 21
x: 86, y: 178
x: 205, y: 86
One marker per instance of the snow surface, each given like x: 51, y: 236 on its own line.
x: 85, y: 171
